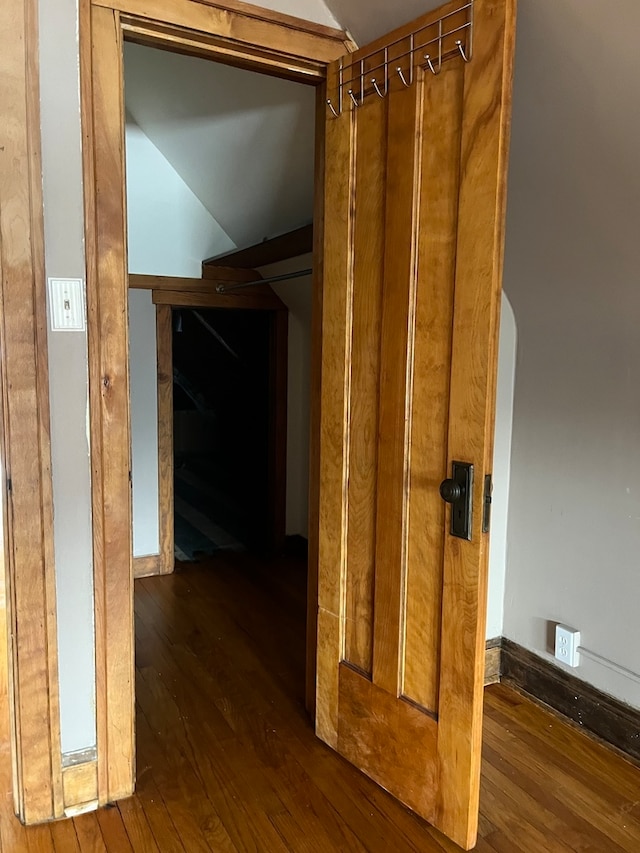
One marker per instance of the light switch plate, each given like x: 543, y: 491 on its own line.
x: 66, y: 300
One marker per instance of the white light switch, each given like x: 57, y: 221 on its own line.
x: 66, y: 299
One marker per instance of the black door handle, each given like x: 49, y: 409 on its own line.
x: 450, y: 491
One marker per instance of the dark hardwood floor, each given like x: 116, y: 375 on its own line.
x: 227, y: 758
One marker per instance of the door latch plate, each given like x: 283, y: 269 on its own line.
x: 462, y: 509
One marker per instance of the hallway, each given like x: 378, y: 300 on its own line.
x: 227, y: 759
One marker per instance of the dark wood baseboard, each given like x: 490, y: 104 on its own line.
x: 594, y: 711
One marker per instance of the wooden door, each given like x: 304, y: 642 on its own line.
x: 416, y: 154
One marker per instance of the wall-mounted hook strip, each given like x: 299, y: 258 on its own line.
x: 353, y: 98
x: 402, y: 77
x: 461, y: 49
x: 332, y: 108
x: 377, y: 88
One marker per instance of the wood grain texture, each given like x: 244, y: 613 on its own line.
x: 493, y: 661
x: 270, y: 251
x: 107, y: 285
x: 334, y: 421
x: 430, y: 370
x: 235, y: 35
x: 388, y: 740
x: 368, y: 234
x: 262, y: 300
x: 206, y: 284
x: 225, y: 274
x: 440, y: 245
x: 164, y: 340
x: 314, y: 404
x: 27, y: 488
x: 229, y: 762
x: 149, y: 564
x: 403, y: 155
x: 480, y: 245
x: 80, y: 784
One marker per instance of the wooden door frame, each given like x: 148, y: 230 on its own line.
x: 29, y: 624
x: 168, y: 293
x: 235, y: 33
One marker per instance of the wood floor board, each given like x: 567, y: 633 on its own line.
x: 612, y: 772
x: 227, y: 759
x: 163, y: 831
x: 65, y: 840
x: 181, y: 791
x: 113, y: 830
x: 560, y: 751
x: 89, y: 833
x: 138, y: 827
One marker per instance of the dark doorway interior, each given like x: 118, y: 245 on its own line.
x: 221, y: 430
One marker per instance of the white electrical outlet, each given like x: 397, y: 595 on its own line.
x: 567, y: 644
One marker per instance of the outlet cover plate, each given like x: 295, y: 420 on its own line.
x: 567, y: 645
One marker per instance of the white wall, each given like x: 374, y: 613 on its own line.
x: 68, y: 379
x: 169, y: 233
x: 143, y: 407
x: 241, y: 141
x: 571, y: 272
x: 297, y: 296
x: 501, y: 470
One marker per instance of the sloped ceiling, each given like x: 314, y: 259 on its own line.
x: 242, y: 142
x: 368, y: 20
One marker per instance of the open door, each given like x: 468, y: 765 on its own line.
x: 416, y: 156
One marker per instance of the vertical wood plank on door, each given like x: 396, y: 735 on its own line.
x: 165, y: 437
x: 436, y: 246
x: 107, y: 286
x: 486, y: 105
x: 368, y: 228
x: 93, y: 345
x: 404, y: 149
x: 334, y: 436
x: 26, y: 441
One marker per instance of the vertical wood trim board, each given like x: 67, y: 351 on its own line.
x: 481, y: 212
x: 165, y: 439
x: 30, y: 573
x: 103, y: 127
x: 314, y: 409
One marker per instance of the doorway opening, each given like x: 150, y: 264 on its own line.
x: 221, y: 430
x: 220, y: 174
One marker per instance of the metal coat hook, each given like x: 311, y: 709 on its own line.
x: 332, y: 108
x: 430, y: 64
x: 461, y: 49
x: 377, y: 88
x: 353, y: 98
x: 402, y: 77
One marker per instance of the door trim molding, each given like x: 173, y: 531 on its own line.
x: 261, y: 41
x: 28, y: 546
